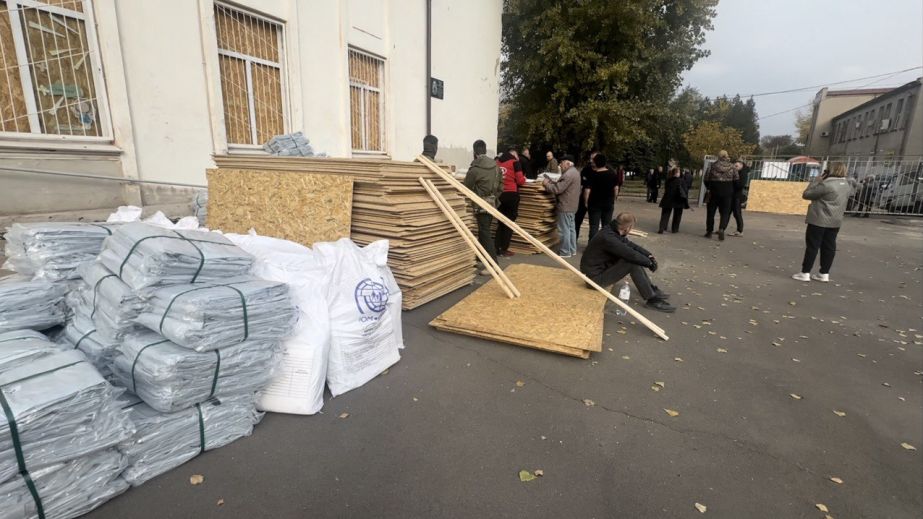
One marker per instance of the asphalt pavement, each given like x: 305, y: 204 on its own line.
x: 790, y: 397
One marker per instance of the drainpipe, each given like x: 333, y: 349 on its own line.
x: 429, y: 66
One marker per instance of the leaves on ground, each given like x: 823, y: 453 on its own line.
x: 538, y: 473
x: 678, y: 359
x: 657, y: 386
x: 344, y: 415
x: 589, y: 403
x: 525, y: 475
x: 196, y: 479
x: 701, y: 508
x: 672, y: 413
x: 822, y: 507
x: 908, y: 446
x: 220, y: 502
x: 836, y: 480
x: 520, y: 383
x: 795, y: 396
x: 721, y: 350
x: 839, y: 413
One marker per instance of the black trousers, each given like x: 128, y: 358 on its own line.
x: 722, y: 204
x: 823, y: 238
x: 665, y: 217
x: 738, y: 212
x: 579, y: 215
x: 652, y: 193
x: 599, y: 216
x: 619, y: 270
x: 509, y: 207
x: 484, y: 220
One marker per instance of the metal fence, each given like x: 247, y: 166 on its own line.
x: 884, y: 186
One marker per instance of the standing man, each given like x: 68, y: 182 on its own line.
x: 720, y: 181
x: 647, y: 183
x: 743, y: 171
x: 528, y: 167
x: 552, y: 165
x: 484, y: 179
x: 567, y: 189
x: 585, y: 175
x: 600, y: 194
x: 509, y: 199
x: 653, y: 185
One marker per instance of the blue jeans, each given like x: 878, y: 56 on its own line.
x: 568, y: 234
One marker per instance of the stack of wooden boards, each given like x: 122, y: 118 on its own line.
x: 537, y: 216
x: 555, y: 312
x: 427, y: 256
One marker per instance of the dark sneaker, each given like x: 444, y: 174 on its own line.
x: 660, y: 305
x: 507, y: 254
x: 659, y: 231
x: 660, y: 293
x: 721, y: 235
x: 708, y: 235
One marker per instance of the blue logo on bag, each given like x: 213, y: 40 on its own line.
x: 371, y: 297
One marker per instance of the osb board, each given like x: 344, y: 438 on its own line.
x: 562, y: 320
x: 774, y: 196
x: 294, y: 206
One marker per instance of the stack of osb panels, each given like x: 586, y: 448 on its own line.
x: 537, y: 217
x: 427, y: 256
x: 556, y: 312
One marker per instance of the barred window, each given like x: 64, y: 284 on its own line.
x: 366, y: 101
x: 50, y: 75
x: 250, y: 56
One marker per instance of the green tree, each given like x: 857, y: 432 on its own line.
x: 583, y: 74
x: 803, y: 121
x: 708, y: 138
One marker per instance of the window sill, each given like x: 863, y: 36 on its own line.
x: 81, y: 147
x: 371, y: 154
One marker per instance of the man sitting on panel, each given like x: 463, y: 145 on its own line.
x: 610, y: 256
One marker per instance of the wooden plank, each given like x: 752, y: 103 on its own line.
x: 569, y: 317
x: 293, y: 206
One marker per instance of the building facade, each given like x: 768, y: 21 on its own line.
x: 829, y: 104
x: 150, y: 90
x: 891, y: 125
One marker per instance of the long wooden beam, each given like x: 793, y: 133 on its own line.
x: 537, y: 244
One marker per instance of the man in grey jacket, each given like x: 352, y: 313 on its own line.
x: 828, y: 195
x: 567, y: 188
x: 483, y: 177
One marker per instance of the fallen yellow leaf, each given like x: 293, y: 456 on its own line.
x: 908, y: 446
x: 589, y: 403
x: 344, y: 415
x: 520, y: 383
x: 836, y: 480
x: 822, y: 507
x: 701, y: 508
x: 796, y: 397
x: 220, y: 502
x: 525, y: 475
x: 539, y: 473
x: 196, y: 479
x: 678, y: 359
x: 839, y: 413
x: 671, y: 412
x: 722, y: 350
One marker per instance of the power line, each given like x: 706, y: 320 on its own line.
x: 834, y: 83
x: 785, y: 111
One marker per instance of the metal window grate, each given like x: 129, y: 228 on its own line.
x: 49, y: 73
x: 366, y: 101
x: 250, y: 56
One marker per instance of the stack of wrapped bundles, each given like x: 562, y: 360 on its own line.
x: 61, y: 421
x: 144, y: 256
x: 53, y: 251
x: 33, y: 304
x: 20, y: 347
x: 164, y: 441
x: 107, y: 301
x: 81, y: 334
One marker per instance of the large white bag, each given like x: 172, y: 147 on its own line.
x: 365, y: 313
x: 298, y: 387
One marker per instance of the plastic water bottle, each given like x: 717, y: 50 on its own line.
x: 624, y: 295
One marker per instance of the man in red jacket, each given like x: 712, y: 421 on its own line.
x: 511, y: 170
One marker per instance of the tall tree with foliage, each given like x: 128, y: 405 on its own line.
x: 708, y: 138
x: 583, y: 74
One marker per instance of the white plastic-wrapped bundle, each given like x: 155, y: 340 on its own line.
x: 208, y: 316
x: 81, y: 334
x: 365, y: 313
x: 200, y: 206
x: 113, y: 306
x: 169, y: 377
x: 164, y: 441
x: 144, y: 255
x: 20, y: 347
x: 56, y: 408
x: 298, y: 387
x: 65, y: 490
x: 33, y: 304
x: 53, y: 251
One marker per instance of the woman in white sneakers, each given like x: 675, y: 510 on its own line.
x: 828, y: 195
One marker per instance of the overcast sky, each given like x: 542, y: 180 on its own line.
x: 762, y: 46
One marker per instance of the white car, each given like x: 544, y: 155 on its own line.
x: 906, y: 194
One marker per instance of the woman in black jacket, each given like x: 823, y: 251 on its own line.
x: 675, y: 199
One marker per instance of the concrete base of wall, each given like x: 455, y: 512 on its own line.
x: 92, y: 215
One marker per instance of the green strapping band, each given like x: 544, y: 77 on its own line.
x: 17, y: 445
x: 243, y: 304
x: 20, y: 458
x: 84, y: 337
x: 103, y: 227
x: 96, y: 291
x: 215, y: 377
x: 134, y: 386
x: 178, y: 236
x: 201, y: 429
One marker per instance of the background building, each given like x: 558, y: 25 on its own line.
x: 151, y: 90
x: 829, y: 104
x: 891, y: 125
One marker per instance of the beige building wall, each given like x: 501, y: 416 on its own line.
x: 901, y: 137
x: 827, y: 105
